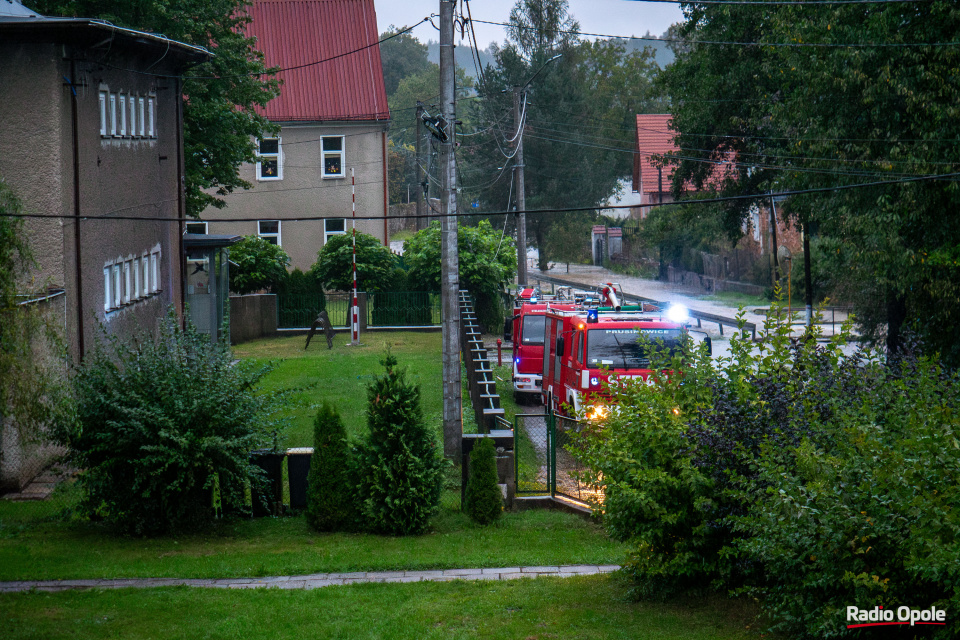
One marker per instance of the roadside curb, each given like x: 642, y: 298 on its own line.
x: 315, y: 580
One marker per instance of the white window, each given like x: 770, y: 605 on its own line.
x: 145, y: 273
x: 107, y: 289
x: 123, y: 116
x: 269, y: 230
x: 151, y: 125
x: 270, y: 166
x: 332, y: 149
x: 104, y: 124
x: 117, y: 291
x: 155, y: 271
x: 141, y: 119
x: 197, y: 227
x: 137, y: 291
x: 133, y: 116
x: 113, y: 114
x: 127, y: 281
x: 333, y: 227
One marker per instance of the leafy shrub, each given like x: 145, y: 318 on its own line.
x: 257, y: 265
x: 329, y: 504
x: 483, y: 500
x: 487, y: 263
x: 158, y: 423
x: 812, y: 479
x: 400, y: 464
x: 376, y: 264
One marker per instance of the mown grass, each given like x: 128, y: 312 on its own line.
x: 586, y: 607
x: 35, y: 547
x: 341, y: 375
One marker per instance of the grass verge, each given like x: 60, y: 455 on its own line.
x: 33, y: 549
x: 585, y: 607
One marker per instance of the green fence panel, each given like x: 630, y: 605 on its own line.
x: 403, y: 309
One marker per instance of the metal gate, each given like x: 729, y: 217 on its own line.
x: 545, y: 462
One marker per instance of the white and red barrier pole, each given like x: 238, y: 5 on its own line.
x: 355, y: 306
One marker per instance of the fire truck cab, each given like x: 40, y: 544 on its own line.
x: 527, y: 334
x: 582, y: 349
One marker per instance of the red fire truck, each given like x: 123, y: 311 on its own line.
x: 527, y: 336
x: 583, y: 349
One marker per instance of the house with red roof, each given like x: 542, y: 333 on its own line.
x: 333, y: 117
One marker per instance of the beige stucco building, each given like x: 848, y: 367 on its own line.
x: 333, y: 115
x: 91, y: 141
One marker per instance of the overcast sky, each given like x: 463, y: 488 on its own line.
x: 614, y: 17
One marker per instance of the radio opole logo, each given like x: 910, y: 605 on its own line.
x: 878, y: 616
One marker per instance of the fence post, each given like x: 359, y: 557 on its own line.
x: 552, y: 439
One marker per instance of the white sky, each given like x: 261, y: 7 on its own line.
x: 614, y: 17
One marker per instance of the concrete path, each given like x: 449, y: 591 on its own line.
x: 315, y: 580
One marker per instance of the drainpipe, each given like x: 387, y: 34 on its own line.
x: 74, y: 112
x: 386, y: 201
x: 181, y: 205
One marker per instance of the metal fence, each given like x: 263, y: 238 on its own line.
x: 382, y: 309
x: 546, y: 458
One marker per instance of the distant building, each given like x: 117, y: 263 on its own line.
x: 334, y: 118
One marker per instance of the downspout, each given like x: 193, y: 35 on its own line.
x: 181, y: 203
x: 75, y: 116
x: 386, y: 201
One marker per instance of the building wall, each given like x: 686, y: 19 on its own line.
x: 117, y: 177
x: 303, y: 191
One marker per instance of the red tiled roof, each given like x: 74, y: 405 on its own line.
x: 654, y: 137
x: 291, y: 33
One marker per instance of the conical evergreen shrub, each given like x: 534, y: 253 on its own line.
x: 401, y: 465
x: 329, y: 492
x: 483, y: 500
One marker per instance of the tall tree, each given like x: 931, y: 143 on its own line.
x: 578, y: 115
x: 872, y: 103
x: 221, y: 125
x: 401, y: 56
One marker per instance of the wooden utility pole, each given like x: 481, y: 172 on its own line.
x: 449, y: 257
x: 521, y: 190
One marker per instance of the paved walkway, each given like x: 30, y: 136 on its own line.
x: 315, y: 580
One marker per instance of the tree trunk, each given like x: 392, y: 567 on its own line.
x: 896, y: 317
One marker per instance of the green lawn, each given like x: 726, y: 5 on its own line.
x: 586, y: 607
x: 341, y: 375
x: 35, y: 547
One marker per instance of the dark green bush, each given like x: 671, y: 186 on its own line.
x: 483, y: 501
x: 257, y: 265
x: 161, y: 421
x: 791, y: 470
x: 400, y: 465
x: 329, y: 494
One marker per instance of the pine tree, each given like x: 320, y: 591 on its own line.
x: 483, y: 502
x: 329, y: 505
x: 401, y: 465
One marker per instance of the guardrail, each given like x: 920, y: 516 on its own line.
x: 699, y: 316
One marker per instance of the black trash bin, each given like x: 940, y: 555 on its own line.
x: 268, y: 496
x: 298, y: 467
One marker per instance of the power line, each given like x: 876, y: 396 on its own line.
x: 786, y: 2
x: 739, y: 44
x: 756, y: 196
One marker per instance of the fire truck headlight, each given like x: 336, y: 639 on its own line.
x: 678, y: 313
x: 594, y: 381
x: 597, y: 412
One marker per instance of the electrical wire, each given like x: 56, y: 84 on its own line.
x: 952, y: 177
x: 738, y: 44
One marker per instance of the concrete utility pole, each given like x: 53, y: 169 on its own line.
x: 449, y: 257
x: 420, y: 222
x: 521, y: 190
